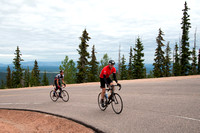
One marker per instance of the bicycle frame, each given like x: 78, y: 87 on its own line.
x: 61, y: 88
x: 115, y: 100
x: 111, y: 88
x: 63, y: 94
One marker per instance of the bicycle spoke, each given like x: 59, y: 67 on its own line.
x: 115, y: 100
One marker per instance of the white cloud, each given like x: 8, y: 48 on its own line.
x: 47, y: 28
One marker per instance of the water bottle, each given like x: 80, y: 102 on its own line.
x: 106, y: 95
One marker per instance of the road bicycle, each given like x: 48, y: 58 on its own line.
x: 64, y: 94
x: 114, y: 99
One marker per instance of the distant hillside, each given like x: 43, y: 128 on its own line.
x: 2, y: 76
x: 31, y: 63
x: 51, y: 66
x: 43, y: 66
x: 149, y: 67
x: 40, y: 63
x: 49, y: 75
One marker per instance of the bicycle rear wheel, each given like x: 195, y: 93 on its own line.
x: 117, y: 103
x: 65, y: 96
x: 99, y: 102
x: 53, y: 98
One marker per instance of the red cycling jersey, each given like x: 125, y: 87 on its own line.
x: 107, y: 71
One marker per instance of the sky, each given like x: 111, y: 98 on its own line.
x: 49, y: 30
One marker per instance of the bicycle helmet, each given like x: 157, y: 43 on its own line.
x: 112, y: 62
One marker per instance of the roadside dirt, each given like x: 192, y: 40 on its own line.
x: 15, y: 121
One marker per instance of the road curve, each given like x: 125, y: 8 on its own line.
x: 150, y: 105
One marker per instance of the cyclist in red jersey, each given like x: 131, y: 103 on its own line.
x: 105, y: 79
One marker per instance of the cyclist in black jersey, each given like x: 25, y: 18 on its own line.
x: 59, y: 79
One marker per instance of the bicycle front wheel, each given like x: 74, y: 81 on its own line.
x: 117, y: 103
x: 65, y: 96
x: 53, y: 97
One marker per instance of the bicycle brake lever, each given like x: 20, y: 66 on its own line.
x: 119, y: 86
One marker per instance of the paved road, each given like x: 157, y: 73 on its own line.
x: 150, y: 105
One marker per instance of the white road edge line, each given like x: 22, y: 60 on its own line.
x: 188, y: 118
x: 17, y: 103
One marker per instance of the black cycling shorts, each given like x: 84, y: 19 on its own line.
x: 102, y: 82
x: 55, y: 82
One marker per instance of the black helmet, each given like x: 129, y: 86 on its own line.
x: 112, y: 62
x: 61, y: 71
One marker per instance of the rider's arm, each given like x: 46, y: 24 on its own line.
x: 114, y: 77
x: 63, y: 81
x: 57, y: 82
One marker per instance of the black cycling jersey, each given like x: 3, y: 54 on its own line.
x: 59, y: 77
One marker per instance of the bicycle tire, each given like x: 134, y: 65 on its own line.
x: 65, y: 96
x: 53, y: 98
x: 117, y: 103
x: 99, y: 102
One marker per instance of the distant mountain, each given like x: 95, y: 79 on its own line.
x: 40, y: 63
x: 52, y: 66
x: 149, y: 67
x: 3, y: 65
x: 31, y: 63
x: 43, y: 66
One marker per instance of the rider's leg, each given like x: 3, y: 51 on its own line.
x: 103, y: 93
x: 54, y: 93
x: 60, y: 90
x: 56, y: 88
x: 102, y: 83
x: 102, y: 97
x: 110, y: 83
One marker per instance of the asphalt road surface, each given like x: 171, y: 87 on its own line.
x: 164, y: 105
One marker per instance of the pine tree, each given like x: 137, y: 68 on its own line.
x: 82, y: 74
x: 45, y: 80
x: 35, y: 75
x: 70, y: 70
x: 12, y: 79
x: 185, y: 52
x: 119, y: 64
x: 103, y: 62
x: 123, y: 69
x: 27, y: 77
x: 167, y: 61
x: 138, y: 65
x: 150, y: 75
x: 130, y: 64
x: 194, y: 57
x: 145, y: 72
x: 93, y: 69
x: 8, y: 78
x: 194, y: 62
x: 2, y: 84
x: 176, y: 64
x: 18, y: 71
x: 159, y: 56
x: 199, y: 62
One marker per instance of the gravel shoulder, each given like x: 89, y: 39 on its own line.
x: 16, y: 121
